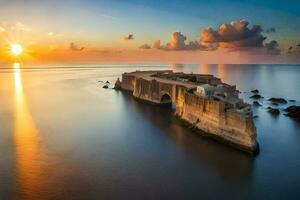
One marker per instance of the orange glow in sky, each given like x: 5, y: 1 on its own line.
x: 36, y: 31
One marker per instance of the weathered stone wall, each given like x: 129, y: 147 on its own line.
x: 152, y: 90
x: 128, y: 82
x: 179, y: 99
x: 210, y: 117
x: 145, y: 90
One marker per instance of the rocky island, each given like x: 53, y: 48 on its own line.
x: 201, y: 100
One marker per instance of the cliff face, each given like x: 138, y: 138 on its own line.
x: 208, y: 115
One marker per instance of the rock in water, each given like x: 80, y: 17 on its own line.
x: 293, y: 112
x: 278, y: 100
x: 107, y: 82
x: 256, y: 96
x: 105, y: 87
x: 118, y: 85
x: 255, y: 91
x: 291, y: 108
x: 273, y: 111
x: 256, y: 103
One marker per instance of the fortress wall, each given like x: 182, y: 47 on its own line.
x: 235, y: 120
x: 241, y: 124
x: 179, y: 96
x: 166, y: 88
x: 205, y: 114
x: 147, y: 90
x: 169, y: 89
x: 128, y: 82
x: 199, y: 107
x: 152, y: 90
x: 142, y: 89
x: 210, y: 117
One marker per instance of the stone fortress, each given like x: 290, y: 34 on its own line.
x: 201, y: 100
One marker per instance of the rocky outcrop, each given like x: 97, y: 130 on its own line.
x: 256, y: 96
x: 256, y: 103
x: 273, y: 111
x: 278, y: 100
x: 293, y: 112
x: 118, y: 85
x: 256, y: 91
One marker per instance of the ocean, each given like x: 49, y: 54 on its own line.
x: 63, y: 136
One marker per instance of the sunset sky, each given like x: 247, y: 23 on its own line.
x: 177, y: 31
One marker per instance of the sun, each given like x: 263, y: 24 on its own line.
x: 16, y: 49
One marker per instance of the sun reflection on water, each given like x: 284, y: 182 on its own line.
x: 18, y: 82
x: 26, y: 136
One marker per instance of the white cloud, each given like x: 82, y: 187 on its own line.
x: 2, y: 29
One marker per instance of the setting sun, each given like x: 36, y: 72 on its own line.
x: 16, y: 49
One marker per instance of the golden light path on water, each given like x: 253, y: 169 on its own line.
x: 26, y: 137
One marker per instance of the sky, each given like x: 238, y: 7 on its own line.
x: 138, y: 31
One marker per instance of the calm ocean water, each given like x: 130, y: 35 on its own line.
x: 62, y: 136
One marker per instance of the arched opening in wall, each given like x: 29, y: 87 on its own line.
x: 166, y: 99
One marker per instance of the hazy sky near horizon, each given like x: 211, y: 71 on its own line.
x: 116, y: 29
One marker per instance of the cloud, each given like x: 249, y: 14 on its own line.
x: 74, y: 47
x: 195, y: 45
x: 145, y: 46
x: 273, y: 47
x: 2, y: 29
x: 294, y: 49
x: 54, y: 34
x: 18, y: 26
x: 22, y: 27
x: 238, y: 36
x: 156, y: 44
x: 177, y: 43
x: 128, y: 37
x: 234, y: 35
x: 271, y: 30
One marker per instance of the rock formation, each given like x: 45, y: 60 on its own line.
x: 273, y: 111
x: 118, y: 84
x: 256, y: 103
x: 278, y: 100
x: 255, y: 91
x: 293, y: 112
x: 256, y: 96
